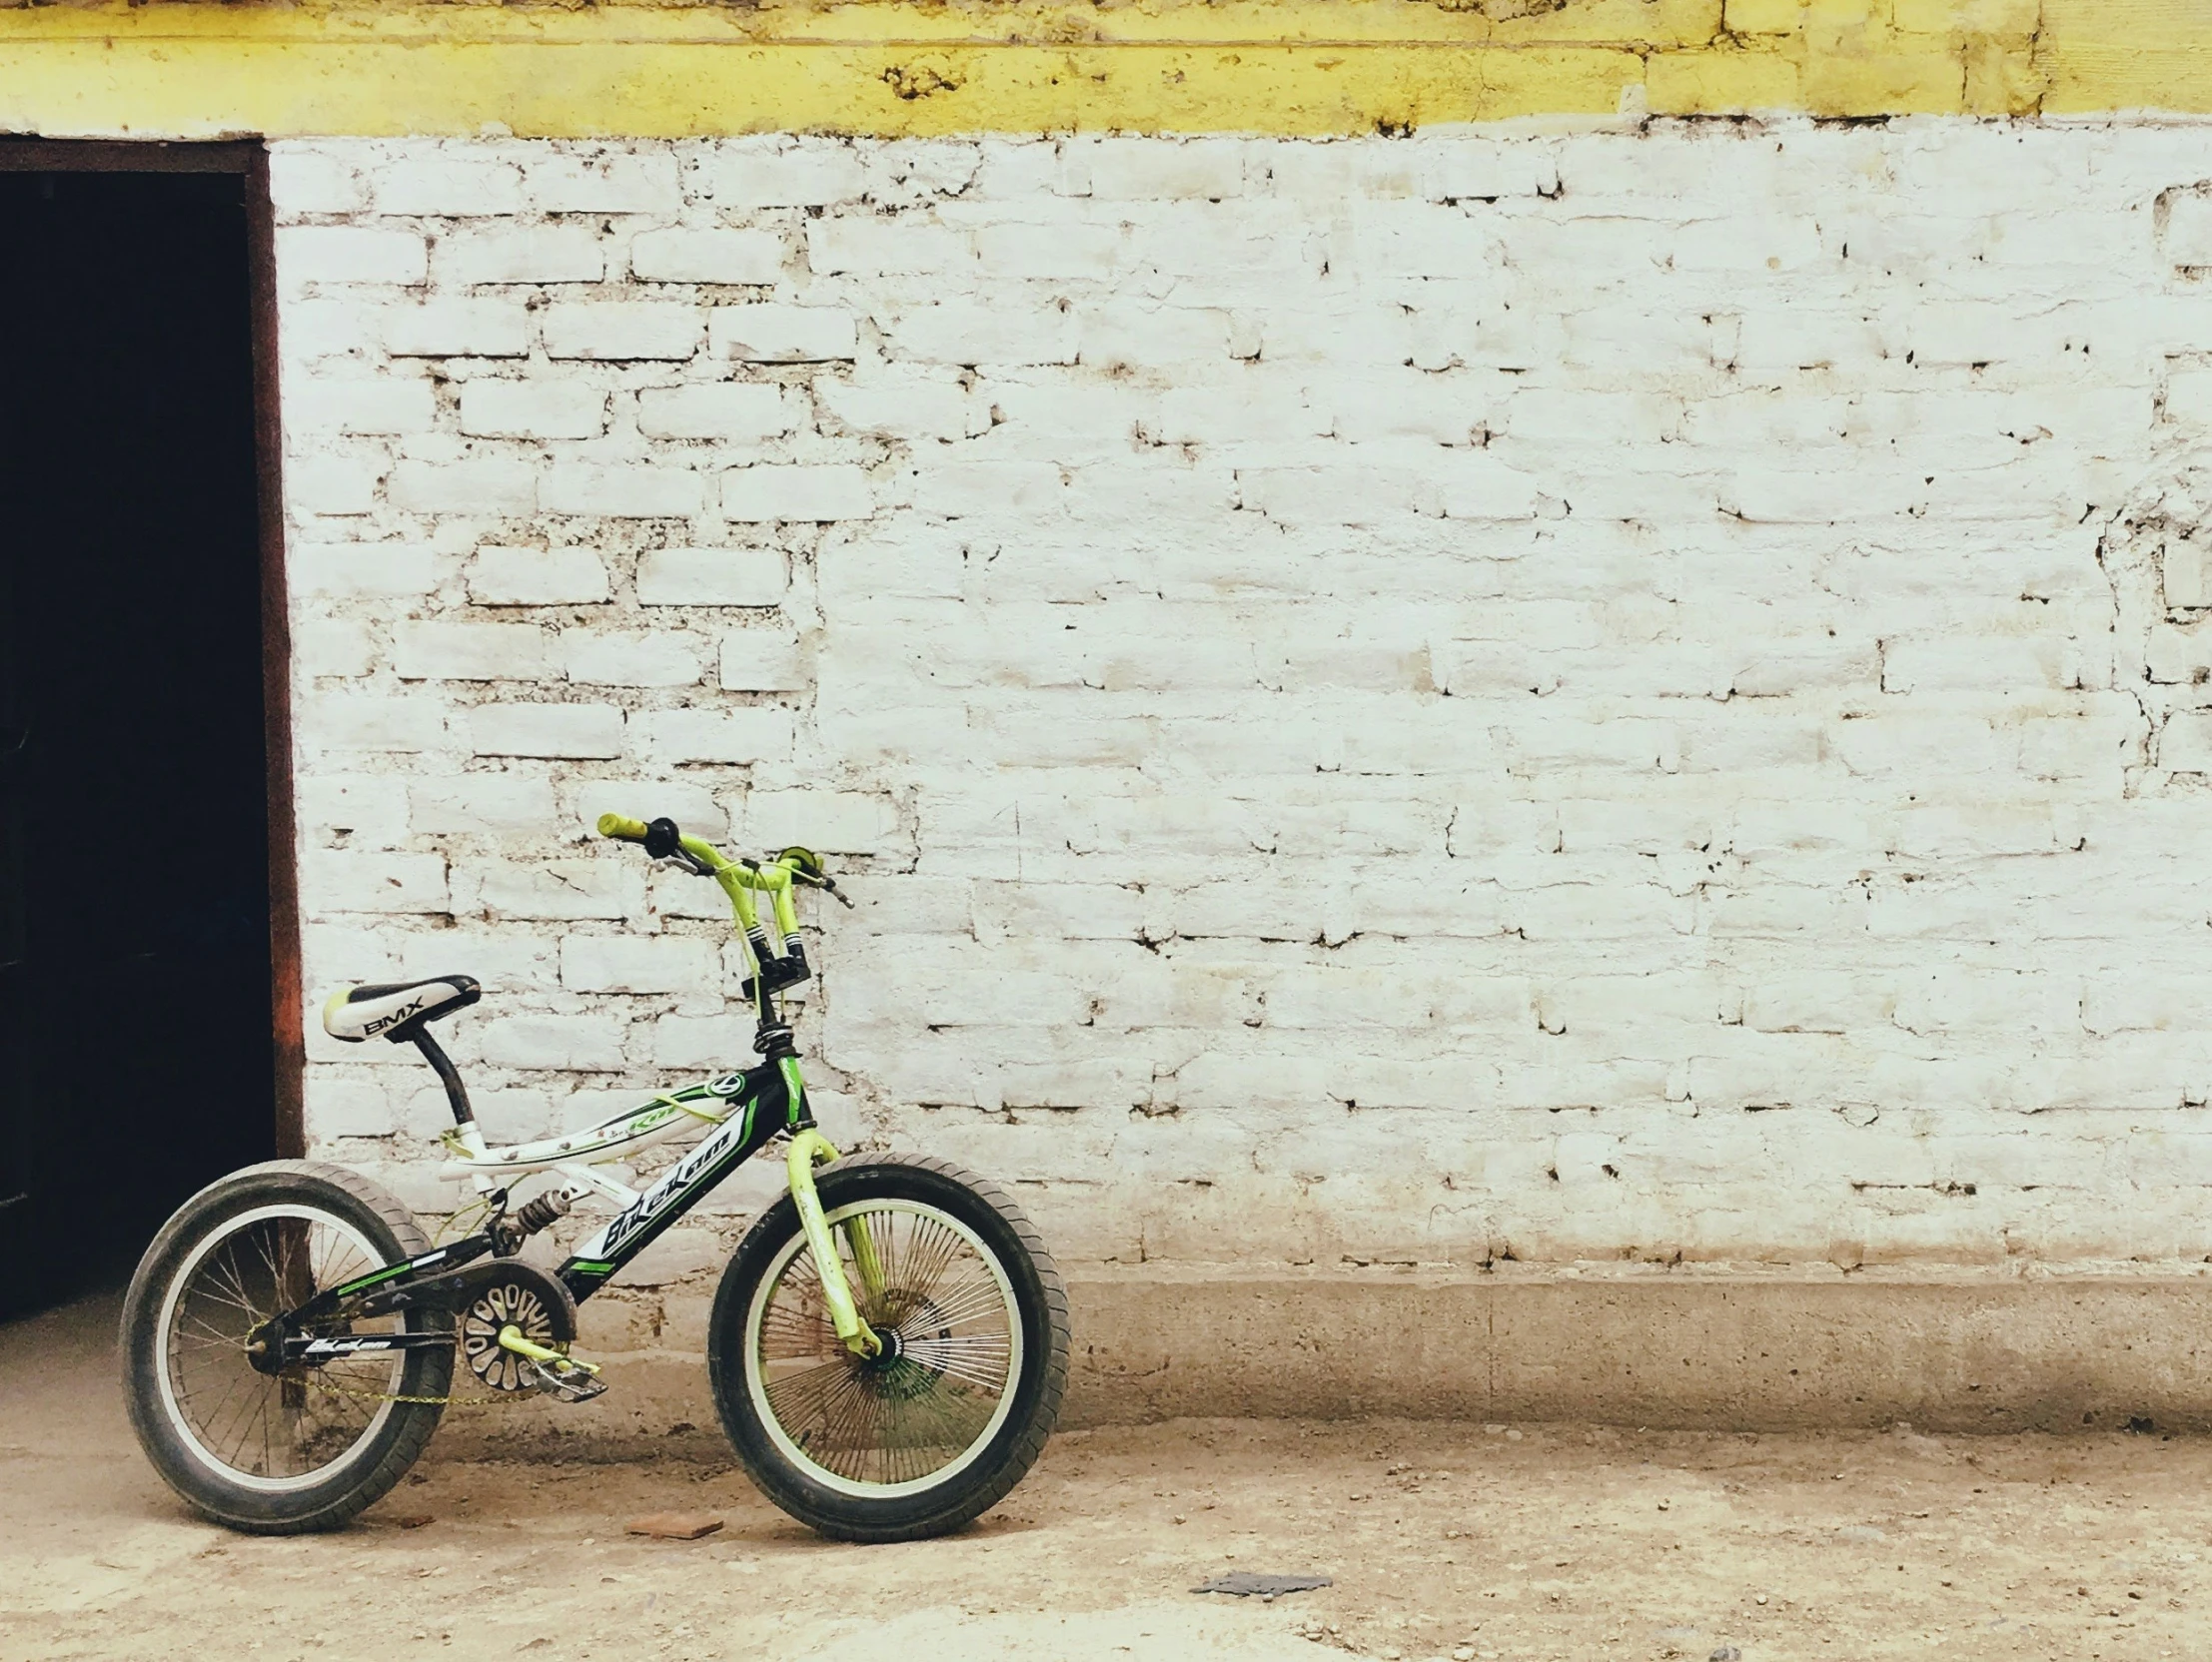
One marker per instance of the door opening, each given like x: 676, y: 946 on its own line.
x: 138, y: 1056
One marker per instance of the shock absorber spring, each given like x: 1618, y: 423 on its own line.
x: 552, y: 1204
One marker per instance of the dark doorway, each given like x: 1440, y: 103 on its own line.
x: 136, y: 962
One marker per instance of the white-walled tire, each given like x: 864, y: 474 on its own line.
x: 927, y: 1438
x: 284, y: 1453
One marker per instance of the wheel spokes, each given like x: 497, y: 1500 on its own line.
x: 951, y: 1320
x: 271, y: 1428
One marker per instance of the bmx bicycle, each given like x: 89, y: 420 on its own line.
x: 887, y: 1346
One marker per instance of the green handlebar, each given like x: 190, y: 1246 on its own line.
x: 741, y: 878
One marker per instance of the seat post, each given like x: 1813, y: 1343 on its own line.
x: 449, y: 1076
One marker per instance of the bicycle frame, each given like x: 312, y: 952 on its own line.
x: 747, y: 1109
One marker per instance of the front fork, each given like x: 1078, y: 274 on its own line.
x: 808, y: 1148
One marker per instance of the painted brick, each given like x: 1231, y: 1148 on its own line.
x: 697, y: 255
x: 742, y: 176
x: 638, y: 964
x: 609, y: 179
x: 447, y: 327
x: 470, y: 651
x: 362, y: 408
x: 763, y: 494
x: 491, y: 804
x: 485, y: 485
x: 761, y: 660
x: 733, y: 412
x: 523, y: 254
x: 531, y: 410
x: 537, y: 578
x: 713, y: 577
x: 626, y: 660
x: 355, y: 570
x: 840, y: 822
x: 622, y: 330
x: 774, y: 334
x: 439, y: 183
x: 1517, y: 632
x: 639, y: 493
x: 576, y: 733
x: 741, y: 737
x: 350, y: 253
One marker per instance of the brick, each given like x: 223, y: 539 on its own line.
x: 638, y: 964
x: 830, y: 822
x: 745, y: 176
x: 906, y: 407
x: 441, y: 184
x: 555, y: 890
x: 761, y: 493
x: 367, y: 810
x: 564, y: 1043
x: 305, y: 179
x: 774, y: 333
x: 636, y: 492
x: 523, y: 254
x: 372, y: 407
x: 349, y: 254
x: 372, y: 881
x: 571, y: 731
x: 740, y: 738
x: 491, y: 804
x: 531, y: 410
x: 619, y: 330
x: 537, y: 578
x: 870, y: 246
x: 483, y: 485
x: 602, y: 180
x: 695, y: 256
x: 335, y: 485
x: 362, y: 568
x: 2187, y: 240
x: 733, y: 412
x: 1137, y: 170
x: 976, y: 331
x: 454, y: 328
x: 627, y: 660
x: 761, y: 660
x: 713, y: 577
x: 470, y: 651
x: 372, y: 721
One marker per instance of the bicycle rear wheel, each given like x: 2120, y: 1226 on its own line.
x: 301, y: 1449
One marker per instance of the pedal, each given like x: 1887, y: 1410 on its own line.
x: 577, y: 1385
x: 567, y: 1378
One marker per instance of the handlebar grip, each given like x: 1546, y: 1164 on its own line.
x: 622, y: 826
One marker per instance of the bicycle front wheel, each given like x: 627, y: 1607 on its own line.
x: 299, y: 1449
x: 927, y: 1437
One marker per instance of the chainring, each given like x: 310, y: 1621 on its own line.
x: 517, y: 1295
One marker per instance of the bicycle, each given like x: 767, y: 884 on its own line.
x: 887, y: 1346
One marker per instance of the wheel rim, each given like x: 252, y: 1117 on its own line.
x: 273, y: 1432
x: 882, y: 1431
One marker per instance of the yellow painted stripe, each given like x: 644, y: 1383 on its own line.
x: 892, y: 66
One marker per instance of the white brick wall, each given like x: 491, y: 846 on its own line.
x: 1624, y: 696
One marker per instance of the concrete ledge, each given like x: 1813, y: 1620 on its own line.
x: 1683, y: 1350
x: 1755, y: 1354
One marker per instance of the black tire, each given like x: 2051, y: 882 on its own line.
x: 1027, y: 1392
x: 178, y: 1275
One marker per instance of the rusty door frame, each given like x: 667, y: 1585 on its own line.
x: 249, y: 159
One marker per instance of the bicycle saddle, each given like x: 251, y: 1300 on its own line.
x: 396, y: 1010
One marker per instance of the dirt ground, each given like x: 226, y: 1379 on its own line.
x: 1443, y: 1539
